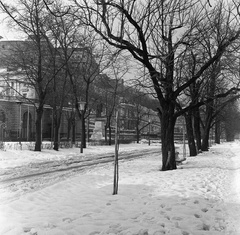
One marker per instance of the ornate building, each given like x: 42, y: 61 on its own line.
x: 18, y: 102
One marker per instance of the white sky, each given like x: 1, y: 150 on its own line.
x: 7, y: 32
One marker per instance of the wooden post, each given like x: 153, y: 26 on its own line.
x: 116, y: 175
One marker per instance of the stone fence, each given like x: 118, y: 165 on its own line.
x: 31, y: 145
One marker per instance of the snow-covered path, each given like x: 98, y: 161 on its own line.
x: 22, y: 179
x: 232, y: 198
x: 199, y: 198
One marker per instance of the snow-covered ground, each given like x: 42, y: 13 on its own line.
x: 201, y: 197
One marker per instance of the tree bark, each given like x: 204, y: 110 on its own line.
x: 84, y: 132
x: 167, y: 137
x: 110, y: 134
x: 190, y: 134
x: 197, y: 129
x: 38, y: 143
x: 217, y: 132
x: 56, y: 124
x: 207, y: 126
x: 205, y: 141
x: 56, y: 136
x: 137, y: 130
x: 73, y: 130
x: 138, y: 135
x: 229, y: 134
x: 69, y: 127
x: 105, y: 130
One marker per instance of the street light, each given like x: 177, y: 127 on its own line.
x: 81, y: 108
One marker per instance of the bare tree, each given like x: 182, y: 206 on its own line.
x: 34, y: 56
x: 156, y: 33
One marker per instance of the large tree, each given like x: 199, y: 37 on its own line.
x: 157, y: 33
x: 34, y: 55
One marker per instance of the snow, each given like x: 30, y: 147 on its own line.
x: 201, y: 197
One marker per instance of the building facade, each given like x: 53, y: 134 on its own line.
x: 18, y: 103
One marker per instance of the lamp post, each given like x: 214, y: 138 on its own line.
x: 28, y: 123
x: 81, y: 108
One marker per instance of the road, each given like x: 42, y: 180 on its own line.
x: 16, y: 181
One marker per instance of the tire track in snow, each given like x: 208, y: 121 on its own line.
x: 19, y: 181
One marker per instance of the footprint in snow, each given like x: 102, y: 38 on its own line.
x: 197, y: 216
x: 204, y: 210
x: 67, y: 220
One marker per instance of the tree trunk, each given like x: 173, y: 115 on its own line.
x: 229, y: 137
x: 105, y: 130
x: 167, y: 137
x: 84, y: 133
x: 110, y: 134
x: 205, y: 140
x: 217, y: 132
x: 138, y: 136
x: 197, y: 129
x: 229, y: 134
x: 207, y: 127
x: 137, y: 132
x: 69, y: 122
x: 38, y: 143
x: 108, y: 131
x: 56, y: 136
x: 190, y: 134
x: 73, y: 131
x: 56, y: 124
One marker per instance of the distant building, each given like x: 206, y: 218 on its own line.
x: 18, y: 101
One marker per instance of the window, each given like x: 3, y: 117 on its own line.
x: 2, y: 116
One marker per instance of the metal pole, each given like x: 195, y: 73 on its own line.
x: 149, y: 129
x: 20, y: 122
x: 81, y: 149
x: 71, y: 131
